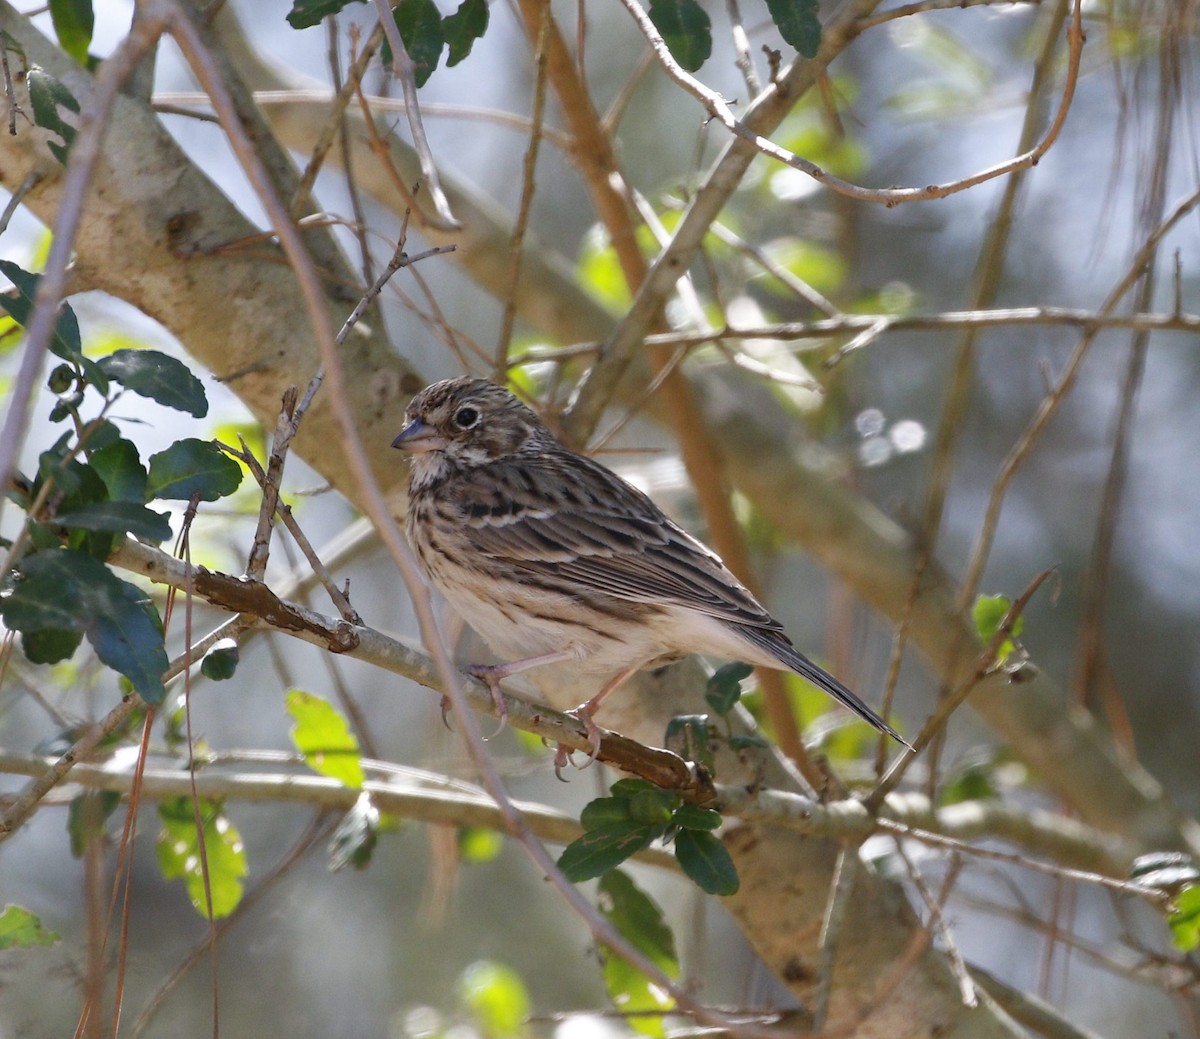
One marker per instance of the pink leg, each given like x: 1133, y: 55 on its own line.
x: 584, y: 713
x: 493, y: 674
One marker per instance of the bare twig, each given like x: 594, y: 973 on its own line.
x: 402, y: 66
x: 719, y: 109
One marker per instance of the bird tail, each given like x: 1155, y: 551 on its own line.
x: 778, y: 646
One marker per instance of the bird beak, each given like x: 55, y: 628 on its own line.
x: 419, y: 438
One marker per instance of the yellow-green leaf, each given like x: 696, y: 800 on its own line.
x: 323, y: 736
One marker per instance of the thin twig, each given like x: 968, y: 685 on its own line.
x: 405, y: 71
x: 719, y: 109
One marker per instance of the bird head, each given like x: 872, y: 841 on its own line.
x: 467, y: 422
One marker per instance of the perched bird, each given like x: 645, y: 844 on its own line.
x: 550, y: 556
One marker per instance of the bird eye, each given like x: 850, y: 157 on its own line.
x: 465, y: 418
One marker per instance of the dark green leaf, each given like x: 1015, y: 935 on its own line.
x: 706, y: 861
x: 158, y: 376
x: 641, y: 923
x: 354, y: 840
x: 323, y: 736
x: 724, y: 688
x: 73, y: 23
x: 1184, y: 919
x: 627, y: 788
x: 693, y: 817
x: 129, y: 639
x: 463, y: 28
x: 651, y: 807
x: 685, y: 29
x: 604, y: 810
x: 178, y: 851
x: 190, y: 466
x: 119, y: 466
x: 638, y: 919
x: 86, y: 816
x: 66, y: 589
x: 306, y: 13
x: 221, y: 661
x: 50, y: 645
x: 65, y: 342
x: 119, y: 517
x: 687, y: 735
x: 46, y: 96
x: 420, y: 25
x: 20, y: 929
x: 599, y: 850
x: 798, y: 24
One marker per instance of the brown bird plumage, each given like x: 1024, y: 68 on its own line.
x: 550, y: 556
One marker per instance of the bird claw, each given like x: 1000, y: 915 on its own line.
x: 486, y: 673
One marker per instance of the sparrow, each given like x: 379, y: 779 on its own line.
x: 550, y: 556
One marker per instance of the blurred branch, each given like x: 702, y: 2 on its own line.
x: 1073, y: 849
x: 823, y: 329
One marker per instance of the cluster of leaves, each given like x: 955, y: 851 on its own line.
x: 685, y: 28
x: 423, y: 29
x: 90, y: 491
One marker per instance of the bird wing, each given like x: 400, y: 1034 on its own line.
x: 572, y: 522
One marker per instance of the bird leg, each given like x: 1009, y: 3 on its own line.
x: 493, y: 674
x: 584, y: 713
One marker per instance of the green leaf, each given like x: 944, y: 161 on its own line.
x: 420, y: 25
x: 69, y: 590
x: 129, y: 639
x: 705, y: 860
x: 50, y: 645
x: 120, y: 468
x: 322, y: 735
x: 46, y: 96
x: 1184, y: 919
x: 73, y: 23
x: 686, y: 30
x: 651, y: 807
x: 120, y: 517
x: 162, y: 378
x: 692, y: 817
x: 640, y: 921
x: 599, y: 850
x: 604, y: 810
x: 798, y: 24
x: 724, y: 688
x: 220, y: 663
x: 307, y: 13
x: 179, y: 856
x: 86, y: 816
x: 628, y: 788
x: 20, y: 929
x: 192, y: 466
x: 354, y: 840
x: 65, y: 342
x: 972, y: 782
x: 496, y: 997
x: 461, y: 29
x: 988, y: 614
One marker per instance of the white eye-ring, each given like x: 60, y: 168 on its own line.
x: 465, y: 418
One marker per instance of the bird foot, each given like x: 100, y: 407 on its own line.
x: 490, y: 675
